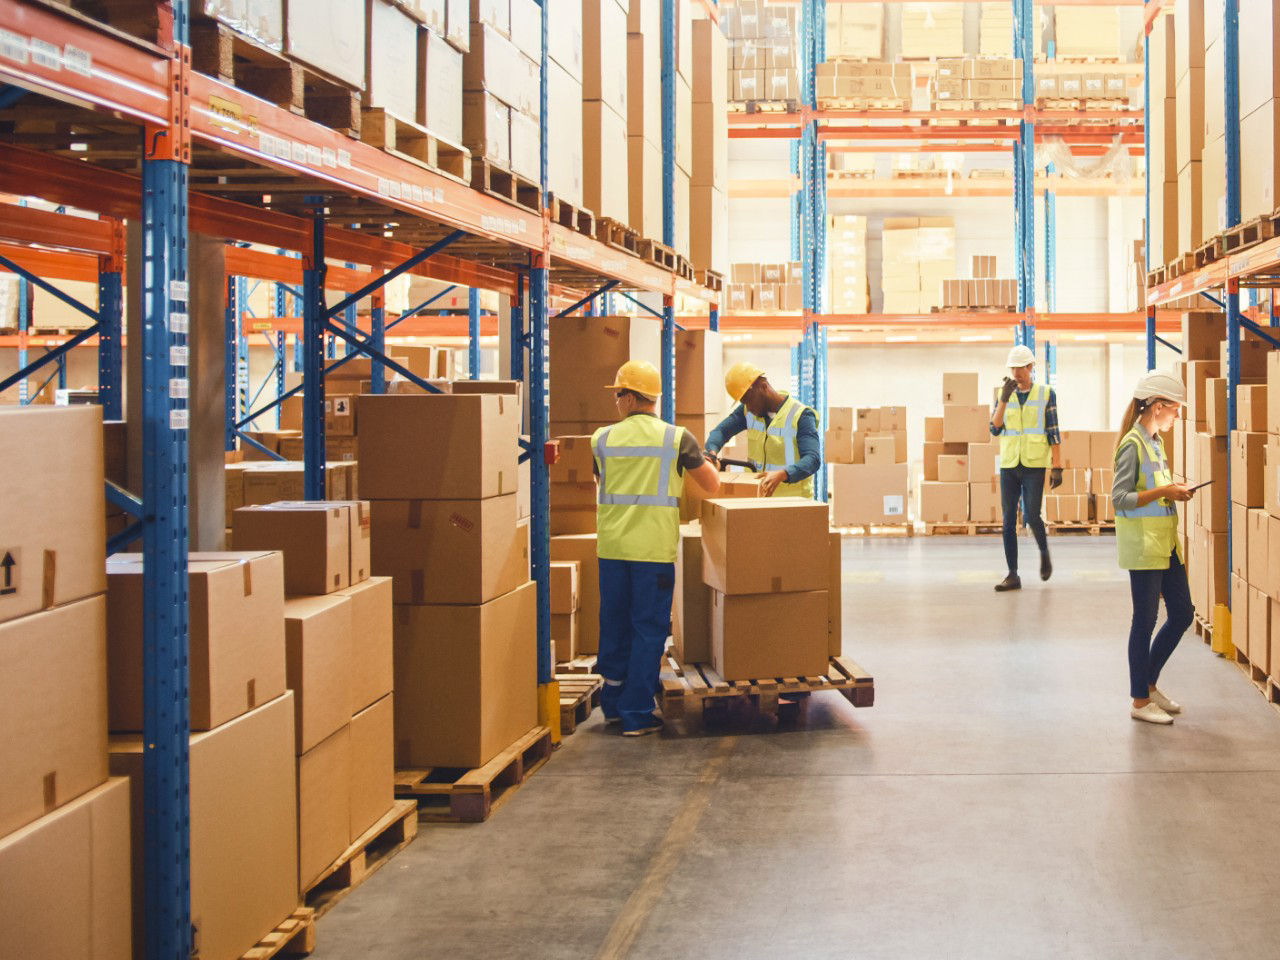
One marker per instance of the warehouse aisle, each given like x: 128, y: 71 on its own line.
x: 997, y: 802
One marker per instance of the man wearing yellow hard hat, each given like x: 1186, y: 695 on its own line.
x: 782, y: 433
x: 639, y: 463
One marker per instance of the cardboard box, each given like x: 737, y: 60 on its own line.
x: 1251, y: 408
x: 1257, y: 571
x: 466, y: 680
x: 1240, y: 541
x: 1202, y: 332
x: 1104, y: 510
x: 869, y: 494
x: 691, y: 613
x: 53, y: 710
x: 1273, y: 393
x: 575, y: 462
x: 328, y: 35
x: 324, y: 804
x: 237, y: 659
x: 1272, y: 577
x: 604, y: 53
x: 933, y: 429
x: 790, y: 525
x: 960, y: 388
x: 582, y: 548
x: 54, y: 529
x: 564, y: 587
x: 1248, y: 456
x: 1101, y: 481
x: 984, y: 501
x: 965, y: 423
x: 67, y: 880
x: 1102, y: 449
x: 1190, y: 220
x: 318, y: 648
x: 1076, y: 449
x: 314, y: 540
x: 1215, y: 396
x: 450, y: 551
x: 594, y: 348
x: 953, y: 469
x: 1269, y: 477
x: 944, y: 502
x: 835, y: 595
x: 371, y: 670
x: 439, y: 86
x: 1074, y: 483
x: 869, y: 419
x: 984, y: 462
x: 839, y: 446
x: 373, y: 768
x: 769, y: 635
x: 1199, y: 372
x: 699, y: 372
x: 1259, y: 144
x: 604, y: 163
x: 243, y: 810
x: 1212, y: 502
x: 564, y: 636
x: 1258, y: 638
x: 880, y: 450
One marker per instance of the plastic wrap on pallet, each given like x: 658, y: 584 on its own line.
x: 260, y: 20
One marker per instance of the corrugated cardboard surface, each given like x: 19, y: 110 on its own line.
x: 769, y: 635
x: 690, y: 621
x: 466, y: 680
x: 371, y: 670
x: 315, y: 540
x: 582, y: 548
x: 318, y: 644
x: 237, y: 646
x: 324, y: 804
x: 372, y: 765
x: 795, y: 531
x: 564, y: 636
x: 243, y: 812
x: 53, y: 710
x: 699, y: 372
x: 450, y: 551
x: 593, y: 348
x: 52, y: 524
x: 944, y: 502
x: 564, y: 586
x: 329, y: 36
x: 835, y: 596
x: 67, y: 881
x: 865, y: 493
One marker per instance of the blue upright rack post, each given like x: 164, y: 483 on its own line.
x: 1231, y: 139
x: 110, y: 357
x: 668, y: 75
x: 473, y: 334
x: 1024, y: 163
x: 281, y: 354
x: 1146, y: 196
x: 24, y: 326
x: 166, y: 153
x: 378, y: 335
x: 229, y: 358
x: 313, y: 357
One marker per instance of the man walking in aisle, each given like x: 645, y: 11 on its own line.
x: 639, y: 462
x: 782, y: 433
x: 1026, y: 421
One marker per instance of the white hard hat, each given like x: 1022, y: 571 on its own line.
x: 1163, y: 385
x: 1020, y: 356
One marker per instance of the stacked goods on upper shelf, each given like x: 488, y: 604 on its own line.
x: 849, y: 290
x: 1259, y: 110
x: 763, y: 60
x: 869, y: 475
x: 700, y: 394
x: 966, y: 81
x: 501, y: 103
x: 995, y: 30
x: 644, y: 116
x: 855, y: 30
x: 983, y: 292
x: 932, y: 30
x: 1213, y: 157
x: 1189, y: 96
x: 709, y: 183
x: 857, y: 165
x: 565, y: 130
x: 64, y: 827
x: 605, y: 173
x: 764, y: 288
x: 1086, y: 87
x: 441, y: 474
x: 1162, y: 129
x: 918, y: 254
x: 1087, y: 32
x: 852, y: 83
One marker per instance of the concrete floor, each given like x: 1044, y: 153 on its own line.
x: 996, y: 802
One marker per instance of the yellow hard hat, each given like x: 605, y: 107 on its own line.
x: 640, y: 376
x: 740, y: 378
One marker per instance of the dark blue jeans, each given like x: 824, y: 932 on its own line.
x: 1025, y: 484
x: 635, y: 621
x: 1147, y: 658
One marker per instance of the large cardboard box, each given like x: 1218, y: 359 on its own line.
x: 373, y: 767
x: 960, y: 388
x: 54, y: 528
x: 53, y: 710
x: 1257, y: 569
x: 564, y: 131
x: 1240, y: 541
x: 582, y: 548
x: 314, y: 540
x: 644, y: 187
x: 466, y: 680
x: 868, y: 494
x: 644, y: 85
x: 984, y: 461
x: 1271, y: 579
x: 1212, y: 502
x: 450, y: 551
x: 1259, y: 144
x: 1258, y: 635
x: 944, y: 502
x: 1251, y: 409
x: 604, y: 161
x: 67, y: 881
x: 769, y: 634
x: 439, y: 86
x: 324, y: 804
x: 691, y: 611
x: 564, y: 587
x: 1199, y: 372
x: 794, y: 528
x: 835, y: 595
x: 953, y: 469
x: 243, y: 811
x: 604, y: 53
x: 575, y: 462
x: 328, y: 35
x: 699, y: 372
x: 392, y: 47
x: 1248, y: 454
x: 984, y: 502
x: 318, y: 644
x: 438, y: 447
x: 965, y: 423
x: 1190, y: 221
x: 591, y: 349
x: 237, y: 658
x: 371, y: 669
x: 564, y: 636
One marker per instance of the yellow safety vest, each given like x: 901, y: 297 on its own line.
x: 1147, y: 536
x: 638, y: 490
x: 774, y: 445
x: 1024, y: 440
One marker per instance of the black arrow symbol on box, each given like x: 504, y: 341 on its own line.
x: 7, y: 565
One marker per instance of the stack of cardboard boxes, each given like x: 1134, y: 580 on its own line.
x: 918, y: 254
x: 573, y: 487
x: 763, y: 59
x: 849, y: 290
x: 764, y: 287
x: 1162, y: 158
x: 709, y: 183
x: 700, y: 395
x: 605, y: 172
x: 931, y: 30
x: 1190, y: 115
x: 995, y: 30
x: 501, y: 103
x: 839, y: 81
x: 64, y: 826
x: 1259, y: 110
x: 565, y: 606
x: 984, y: 292
x: 1087, y: 33
x: 869, y: 476
x: 644, y: 117
x: 1085, y: 87
x: 1088, y: 468
x: 441, y: 474
x: 959, y: 462
x: 1213, y: 157
x: 855, y: 30
x: 966, y: 80
x: 565, y: 128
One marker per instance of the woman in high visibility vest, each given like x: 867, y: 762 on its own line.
x: 1145, y: 495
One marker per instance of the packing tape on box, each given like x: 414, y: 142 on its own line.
x: 415, y: 514
x: 418, y: 586
x: 50, y: 579
x: 50, y: 791
x: 247, y: 567
x: 251, y: 693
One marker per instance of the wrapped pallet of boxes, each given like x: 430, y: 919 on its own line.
x: 449, y: 538
x: 586, y: 353
x: 768, y: 619
x: 605, y: 173
x: 500, y: 102
x: 709, y: 174
x: 847, y: 262
x: 565, y: 605
x: 932, y: 30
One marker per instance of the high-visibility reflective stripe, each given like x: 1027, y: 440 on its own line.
x: 1151, y: 474
x: 1037, y: 401
x: 664, y: 454
x: 638, y: 500
x: 786, y: 431
x: 612, y: 683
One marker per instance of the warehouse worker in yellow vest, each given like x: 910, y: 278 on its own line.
x: 639, y: 463
x: 1145, y: 498
x: 782, y: 433
x: 1026, y: 421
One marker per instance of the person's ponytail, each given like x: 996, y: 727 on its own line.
x: 1127, y: 420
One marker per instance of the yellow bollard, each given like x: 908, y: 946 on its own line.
x: 549, y: 708
x: 1222, y: 643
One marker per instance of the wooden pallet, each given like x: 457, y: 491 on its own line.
x: 1246, y: 235
x: 1058, y: 103
x: 496, y: 181
x: 294, y: 937
x: 578, y: 665
x: 413, y: 143
x: 579, y: 695
x: 684, y: 268
x: 618, y: 235
x: 685, y: 686
x: 1205, y: 254
x: 574, y: 218
x: 877, y: 530
x: 961, y: 529
x: 1155, y: 277
x: 448, y: 794
x: 657, y: 253
x: 762, y: 106
x: 711, y: 280
x: 863, y: 104
x: 391, y: 834
x: 1203, y: 629
x: 1088, y: 529
x: 1256, y: 675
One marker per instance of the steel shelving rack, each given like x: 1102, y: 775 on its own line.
x: 334, y: 198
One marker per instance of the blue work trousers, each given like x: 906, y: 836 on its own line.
x: 635, y: 621
x: 1147, y: 657
x: 1023, y: 485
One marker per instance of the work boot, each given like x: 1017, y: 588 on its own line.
x: 1011, y: 582
x: 1046, y: 566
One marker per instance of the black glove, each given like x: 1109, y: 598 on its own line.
x: 712, y: 458
x: 1055, y: 478
x: 1007, y: 390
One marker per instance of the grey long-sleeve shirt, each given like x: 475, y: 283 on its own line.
x: 1124, y: 486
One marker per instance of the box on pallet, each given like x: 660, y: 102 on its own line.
x: 318, y: 653
x: 370, y: 675
x: 944, y: 502
x: 325, y: 544
x: 769, y: 634
x: 791, y: 525
x: 869, y: 494
x: 582, y: 548
x: 690, y: 620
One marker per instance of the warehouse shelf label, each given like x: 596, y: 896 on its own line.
x: 179, y: 388
x: 179, y: 419
x: 179, y: 323
x: 497, y: 224
x: 13, y: 47
x: 177, y: 356
x: 179, y: 290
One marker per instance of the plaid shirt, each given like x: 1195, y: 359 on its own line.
x: 1051, y: 431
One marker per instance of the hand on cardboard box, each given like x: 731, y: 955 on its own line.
x: 771, y: 479
x: 1055, y: 478
x: 712, y: 458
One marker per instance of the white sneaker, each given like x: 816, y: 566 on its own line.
x: 1150, y: 713
x: 1163, y: 702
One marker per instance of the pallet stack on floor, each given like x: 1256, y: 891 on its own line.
x: 870, y: 478
x: 958, y: 485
